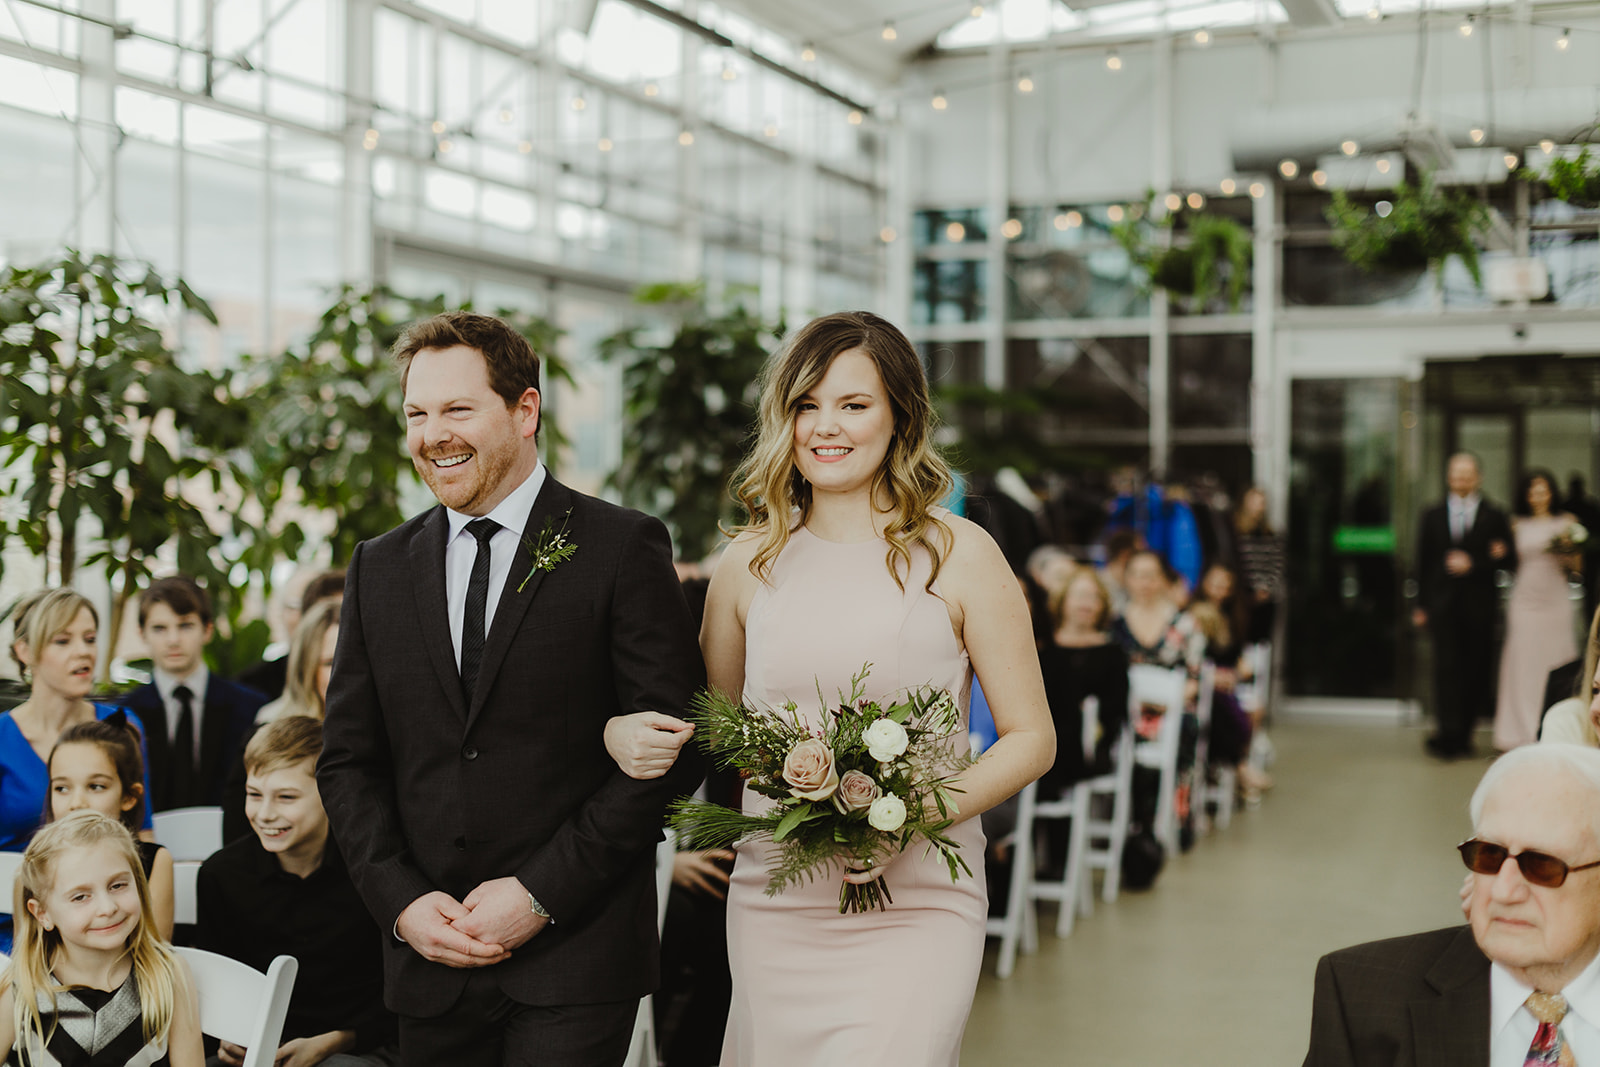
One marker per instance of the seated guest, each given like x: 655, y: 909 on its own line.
x: 270, y: 676
x: 285, y: 891
x: 1577, y: 718
x: 1520, y: 983
x: 1222, y: 619
x: 1082, y: 664
x: 195, y: 724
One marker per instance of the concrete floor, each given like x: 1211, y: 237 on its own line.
x: 1214, y: 965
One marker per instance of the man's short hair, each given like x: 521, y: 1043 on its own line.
x: 180, y: 593
x: 283, y: 743
x: 1581, y: 761
x: 1462, y: 453
x: 512, y: 363
x: 323, y: 586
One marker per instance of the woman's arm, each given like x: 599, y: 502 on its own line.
x: 183, y: 1042
x: 162, y: 894
x: 998, y: 634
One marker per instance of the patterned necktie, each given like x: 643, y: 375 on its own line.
x: 473, y: 625
x: 1548, y: 1048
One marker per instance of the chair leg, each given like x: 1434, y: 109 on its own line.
x: 1077, y: 841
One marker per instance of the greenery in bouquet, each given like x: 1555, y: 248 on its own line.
x: 1572, y: 539
x: 873, y: 781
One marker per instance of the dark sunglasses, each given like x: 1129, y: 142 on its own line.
x: 1481, y: 857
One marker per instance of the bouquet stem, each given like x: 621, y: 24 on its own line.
x: 873, y: 895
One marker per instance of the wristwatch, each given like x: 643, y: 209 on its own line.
x: 538, y: 908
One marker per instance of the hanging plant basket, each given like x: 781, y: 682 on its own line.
x: 1213, y: 260
x: 1576, y: 180
x: 1423, y: 228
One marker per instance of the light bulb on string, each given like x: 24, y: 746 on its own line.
x: 1113, y: 60
x: 728, y: 73
x: 977, y: 11
x: 955, y: 233
x: 1319, y: 178
x: 438, y: 125
x: 652, y: 89
x: 1547, y: 146
x: 889, y: 32
x: 686, y: 138
x: 1288, y: 168
x: 1172, y: 201
x: 1564, y: 41
x: 1025, y: 83
x: 1510, y: 160
x: 1476, y: 133
x: 1227, y: 185
x: 1196, y: 201
x: 1115, y: 212
x: 1383, y: 208
x: 1011, y: 229
x: 579, y: 103
x: 605, y: 144
x: 808, y: 54
x: 1466, y: 27
x: 524, y: 147
x: 506, y: 116
x: 446, y: 146
x: 854, y: 118
x: 1258, y: 189
x: 1374, y: 13
x: 770, y: 130
x: 1202, y: 37
x: 887, y: 235
x: 1383, y: 166
x: 1349, y: 148
x: 939, y: 102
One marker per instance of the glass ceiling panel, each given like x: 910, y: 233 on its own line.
x: 1033, y: 20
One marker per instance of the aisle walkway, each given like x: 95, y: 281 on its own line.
x: 1215, y: 964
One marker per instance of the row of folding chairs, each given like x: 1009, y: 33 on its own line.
x: 1098, y: 812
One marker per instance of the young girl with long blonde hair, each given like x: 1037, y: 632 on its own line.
x: 88, y: 964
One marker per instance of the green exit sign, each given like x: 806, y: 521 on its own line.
x: 1364, y: 540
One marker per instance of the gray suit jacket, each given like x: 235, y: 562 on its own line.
x: 1417, y: 1001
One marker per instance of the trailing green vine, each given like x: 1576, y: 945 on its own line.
x: 1424, y: 227
x: 1210, y: 258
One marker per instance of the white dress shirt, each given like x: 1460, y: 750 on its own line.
x: 461, y: 549
x: 197, y: 681
x: 1512, y: 1026
x: 1463, y: 513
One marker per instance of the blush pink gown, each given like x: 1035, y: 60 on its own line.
x: 1541, y: 632
x: 811, y: 986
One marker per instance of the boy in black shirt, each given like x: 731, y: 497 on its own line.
x: 285, y: 891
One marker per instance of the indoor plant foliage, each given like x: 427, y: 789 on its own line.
x: 690, y: 408
x: 1210, y: 258
x: 1424, y: 227
x: 1576, y: 180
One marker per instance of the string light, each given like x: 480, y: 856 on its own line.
x: 808, y: 54
x: 939, y: 101
x: 1476, y: 133
x: 977, y: 11
x: 1319, y: 178
x: 1227, y: 186
x: 1383, y: 207
x: 1288, y: 168
x: 770, y: 129
x: 1068, y: 220
x: 1511, y: 160
x: 1011, y: 229
x: 1349, y: 148
x: 1202, y: 37
x: 1196, y: 201
x: 1466, y: 27
x: 446, y: 146
x: 370, y: 140
x: 579, y: 103
x: 1374, y: 13
x: 605, y: 144
x: 1564, y: 41
x: 1383, y: 166
x: 506, y: 116
x: 854, y: 118
x: 652, y: 89
x: 955, y: 233
x: 1173, y: 201
x: 1258, y: 189
x: 438, y: 125
x: 889, y: 33
x: 1025, y: 83
x: 1547, y: 146
x: 1113, y: 61
x: 686, y: 138
x: 524, y: 147
x: 728, y: 73
x: 1115, y: 212
x: 887, y: 235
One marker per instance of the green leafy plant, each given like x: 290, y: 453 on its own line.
x: 689, y: 409
x: 1576, y: 180
x: 104, y: 431
x: 1423, y: 228
x: 1209, y: 258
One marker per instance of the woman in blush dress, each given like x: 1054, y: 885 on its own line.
x: 1540, y: 616
x: 849, y: 560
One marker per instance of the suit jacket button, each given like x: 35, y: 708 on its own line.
x: 469, y: 753
x: 461, y: 844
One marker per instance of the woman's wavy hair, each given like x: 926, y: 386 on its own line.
x: 34, y: 953
x: 913, y: 478
x: 39, y: 616
x: 305, y: 657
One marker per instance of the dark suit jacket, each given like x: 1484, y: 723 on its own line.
x: 1474, y: 592
x: 427, y: 790
x: 226, y: 721
x: 1417, y: 1001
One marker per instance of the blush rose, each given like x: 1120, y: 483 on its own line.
x: 856, y: 791
x: 810, y: 771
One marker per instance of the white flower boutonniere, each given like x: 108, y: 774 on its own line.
x: 551, y: 548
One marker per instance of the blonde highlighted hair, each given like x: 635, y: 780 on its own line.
x: 39, y: 616
x: 34, y: 953
x: 302, y: 697
x: 913, y: 478
x: 283, y: 743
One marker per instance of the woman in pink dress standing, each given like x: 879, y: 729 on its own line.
x: 1540, y: 618
x: 849, y: 560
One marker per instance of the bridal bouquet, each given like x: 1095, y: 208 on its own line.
x: 863, y: 788
x: 1571, y: 539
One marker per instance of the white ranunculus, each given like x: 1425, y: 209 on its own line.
x: 887, y: 813
x: 885, y: 739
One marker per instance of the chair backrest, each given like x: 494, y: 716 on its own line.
x: 241, y: 1005
x: 186, y: 892
x: 1156, y: 686
x: 189, y: 833
x: 666, y: 856
x: 10, y: 866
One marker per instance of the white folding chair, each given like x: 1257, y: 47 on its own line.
x: 642, y: 1050
x: 189, y: 833
x: 1017, y: 928
x: 185, y: 892
x: 10, y: 866
x: 241, y: 1005
x: 1149, y: 685
x: 1103, y: 838
x: 1204, y: 793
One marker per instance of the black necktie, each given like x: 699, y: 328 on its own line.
x: 182, y: 776
x: 472, y: 627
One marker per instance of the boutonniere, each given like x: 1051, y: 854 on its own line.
x: 550, y: 548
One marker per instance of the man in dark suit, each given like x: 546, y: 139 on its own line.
x: 197, y: 722
x: 1522, y: 979
x: 1460, y: 545
x: 483, y: 646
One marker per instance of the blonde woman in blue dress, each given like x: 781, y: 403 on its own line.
x: 847, y: 560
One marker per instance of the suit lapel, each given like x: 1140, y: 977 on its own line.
x: 1452, y: 1029
x: 554, y: 500
x: 433, y: 608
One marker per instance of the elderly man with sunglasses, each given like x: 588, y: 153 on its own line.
x: 1520, y: 984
